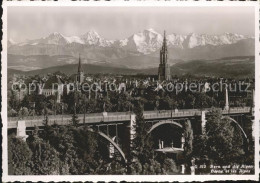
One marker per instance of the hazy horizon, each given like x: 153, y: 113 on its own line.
x: 121, y: 22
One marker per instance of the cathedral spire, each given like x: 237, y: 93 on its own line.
x: 79, y: 66
x: 80, y: 75
x: 164, y: 69
x: 164, y: 41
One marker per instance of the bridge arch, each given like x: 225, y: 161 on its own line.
x: 162, y: 123
x: 111, y: 141
x: 229, y: 118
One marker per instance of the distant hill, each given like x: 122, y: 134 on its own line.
x: 72, y: 69
x: 225, y: 67
x: 33, y: 62
x: 11, y: 72
x: 141, y: 61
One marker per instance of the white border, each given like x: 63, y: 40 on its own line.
x: 152, y: 178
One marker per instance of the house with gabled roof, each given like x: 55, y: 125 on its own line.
x: 53, y: 86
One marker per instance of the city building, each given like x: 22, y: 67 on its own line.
x: 53, y: 86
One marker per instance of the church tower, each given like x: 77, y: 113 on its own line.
x: 80, y: 75
x: 164, y: 72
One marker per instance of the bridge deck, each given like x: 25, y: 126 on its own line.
x: 117, y: 116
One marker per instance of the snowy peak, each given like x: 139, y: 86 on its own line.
x: 59, y: 39
x: 91, y: 38
x: 194, y: 40
x: 151, y: 30
x: 11, y: 41
x: 175, y: 40
x: 55, y: 34
x: 146, y: 41
x: 74, y: 39
x: 94, y: 39
x: 91, y: 34
x: 55, y: 38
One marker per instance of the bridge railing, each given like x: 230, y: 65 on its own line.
x: 167, y: 114
x: 125, y: 117
x: 117, y: 116
x: 146, y: 113
x: 59, y: 116
x: 237, y: 110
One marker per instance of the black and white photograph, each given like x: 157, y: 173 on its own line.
x: 144, y: 89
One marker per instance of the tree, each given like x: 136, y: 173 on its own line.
x: 19, y: 157
x: 169, y: 167
x: 13, y: 101
x: 61, y: 138
x: 11, y: 112
x: 199, y: 146
x: 25, y: 102
x: 221, y: 144
x: 39, y: 103
x: 168, y: 103
x: 32, y: 112
x: 46, y: 117
x: 70, y: 102
x: 61, y: 108
x: 74, y: 119
x: 124, y: 102
x: 77, y: 148
x: 153, y: 167
x: 87, y: 149
x: 23, y: 112
x: 188, y: 136
x: 135, y: 167
x: 114, y: 168
x: 45, y: 159
x: 190, y: 101
x: 51, y: 103
x: 223, y: 140
x: 202, y: 101
x: 142, y: 143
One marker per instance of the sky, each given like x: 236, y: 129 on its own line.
x: 121, y: 22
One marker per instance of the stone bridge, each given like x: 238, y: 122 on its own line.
x: 120, y: 125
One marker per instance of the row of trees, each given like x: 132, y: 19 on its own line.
x: 118, y: 102
x: 59, y: 151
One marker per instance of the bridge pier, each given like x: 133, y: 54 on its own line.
x: 253, y: 129
x: 107, y: 131
x: 183, y: 169
x: 104, y: 114
x: 130, y: 135
x: 226, y: 100
x: 203, y: 122
x: 21, y: 130
x: 182, y: 141
x: 253, y: 115
x: 132, y: 127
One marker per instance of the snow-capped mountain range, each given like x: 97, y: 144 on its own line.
x: 140, y: 50
x: 144, y: 42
